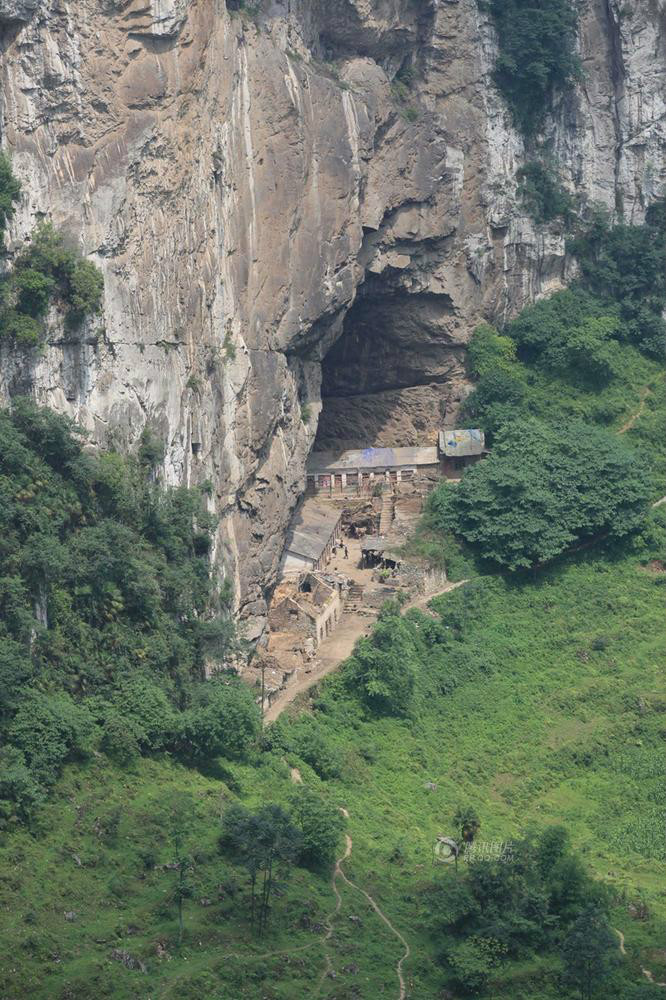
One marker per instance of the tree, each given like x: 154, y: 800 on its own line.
x: 589, y: 952
x: 383, y: 667
x: 10, y: 190
x: 571, y: 333
x: 265, y: 843
x: 473, y: 961
x: 225, y: 720
x: 320, y: 825
x: 542, y: 490
x: 490, y: 351
x: 180, y: 811
x: 467, y: 819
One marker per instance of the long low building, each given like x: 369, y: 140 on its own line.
x: 358, y: 470
x: 312, y: 533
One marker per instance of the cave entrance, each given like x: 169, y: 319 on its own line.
x: 396, y: 374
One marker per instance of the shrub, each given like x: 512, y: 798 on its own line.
x: 49, y: 730
x: 311, y: 745
x: 626, y: 265
x: 383, y: 668
x: 84, y: 293
x: 147, y: 711
x: 225, y: 720
x: 320, y: 825
x: 489, y: 351
x: 45, y: 271
x: 20, y: 794
x: 120, y: 567
x: 542, y: 193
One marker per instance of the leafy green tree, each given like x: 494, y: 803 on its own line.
x: 312, y: 746
x: 473, y: 961
x: 542, y: 192
x: 542, y: 490
x: 589, y: 952
x: 225, y: 720
x: 267, y: 844
x: 21, y: 795
x: 383, y: 667
x: 10, y: 190
x: 320, y: 825
x: 50, y: 729
x: 108, y: 608
x: 467, y: 820
x: 489, y: 351
x: 45, y: 272
x: 626, y: 265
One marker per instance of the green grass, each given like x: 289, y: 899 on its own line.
x: 568, y: 730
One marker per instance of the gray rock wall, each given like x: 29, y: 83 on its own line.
x: 250, y: 185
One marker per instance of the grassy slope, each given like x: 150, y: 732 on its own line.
x: 563, y: 732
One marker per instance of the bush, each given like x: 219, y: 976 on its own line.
x: 20, y: 794
x: 542, y: 194
x: 383, y: 668
x: 225, y: 720
x: 49, y: 730
x: 119, y: 568
x: 147, y: 710
x: 309, y: 742
x: 542, y: 490
x: 488, y: 351
x: 626, y: 265
x: 320, y: 825
x: 46, y: 271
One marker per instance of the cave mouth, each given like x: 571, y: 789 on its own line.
x: 396, y: 374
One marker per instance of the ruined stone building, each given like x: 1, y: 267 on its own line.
x: 313, y: 531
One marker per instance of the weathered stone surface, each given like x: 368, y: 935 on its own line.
x: 17, y: 10
x: 250, y: 201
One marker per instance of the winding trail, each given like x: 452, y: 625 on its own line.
x: 338, y: 871
x: 644, y: 393
x: 623, y: 951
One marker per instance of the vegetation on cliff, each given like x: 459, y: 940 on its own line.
x: 44, y: 272
x: 536, y: 57
x: 108, y: 612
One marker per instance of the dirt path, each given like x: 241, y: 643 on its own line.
x: 338, y: 647
x: 644, y: 393
x: 340, y: 644
x: 338, y: 872
x: 623, y: 951
x: 421, y: 603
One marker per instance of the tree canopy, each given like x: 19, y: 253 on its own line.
x: 108, y: 611
x: 542, y: 490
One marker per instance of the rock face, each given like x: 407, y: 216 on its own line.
x: 266, y: 204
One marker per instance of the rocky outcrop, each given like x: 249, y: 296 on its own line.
x: 265, y: 199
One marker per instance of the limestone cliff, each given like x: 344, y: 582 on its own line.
x: 255, y: 189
